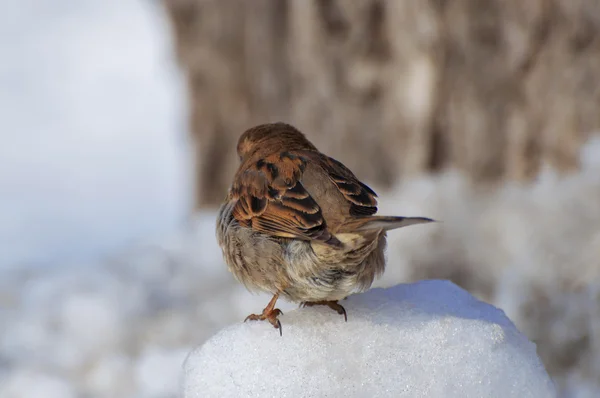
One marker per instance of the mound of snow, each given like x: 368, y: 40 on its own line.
x: 426, y: 339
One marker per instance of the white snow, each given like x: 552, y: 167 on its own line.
x: 429, y: 339
x: 32, y: 384
x: 158, y: 371
x: 154, y: 303
x: 529, y: 251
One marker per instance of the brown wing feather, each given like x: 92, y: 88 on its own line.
x: 363, y: 200
x: 271, y: 199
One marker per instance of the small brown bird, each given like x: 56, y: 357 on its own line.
x: 298, y: 223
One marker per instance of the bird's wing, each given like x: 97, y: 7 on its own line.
x: 271, y: 199
x: 362, y: 199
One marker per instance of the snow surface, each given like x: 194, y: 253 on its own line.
x: 428, y: 339
x: 154, y: 303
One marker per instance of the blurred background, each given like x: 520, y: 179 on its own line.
x: 118, y: 125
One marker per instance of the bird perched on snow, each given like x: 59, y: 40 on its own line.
x: 299, y: 224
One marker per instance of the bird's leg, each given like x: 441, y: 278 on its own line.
x: 270, y: 313
x: 331, y: 304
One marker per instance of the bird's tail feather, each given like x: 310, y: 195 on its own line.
x: 385, y: 223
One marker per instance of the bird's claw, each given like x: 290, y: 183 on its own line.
x: 334, y: 305
x: 270, y: 316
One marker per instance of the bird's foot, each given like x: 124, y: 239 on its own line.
x: 331, y: 304
x: 268, y: 315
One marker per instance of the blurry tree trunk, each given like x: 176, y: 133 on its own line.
x: 495, y: 88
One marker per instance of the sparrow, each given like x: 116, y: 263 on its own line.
x: 297, y: 223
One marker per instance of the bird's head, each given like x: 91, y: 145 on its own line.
x: 271, y: 138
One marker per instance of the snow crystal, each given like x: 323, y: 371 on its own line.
x: 425, y: 339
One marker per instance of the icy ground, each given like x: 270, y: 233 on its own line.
x: 429, y: 339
